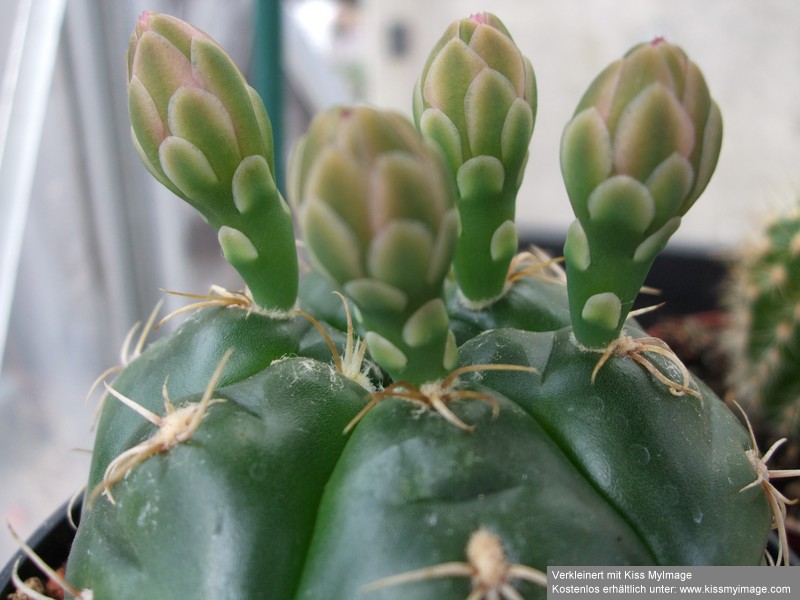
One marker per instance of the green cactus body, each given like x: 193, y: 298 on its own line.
x: 534, y: 475
x: 410, y: 489
x: 763, y: 337
x: 530, y: 304
x: 495, y: 440
x: 183, y: 363
x: 229, y: 513
x: 672, y: 465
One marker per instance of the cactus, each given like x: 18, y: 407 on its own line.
x: 762, y: 337
x: 259, y: 452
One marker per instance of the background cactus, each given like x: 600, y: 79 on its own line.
x: 763, y: 337
x: 258, y: 467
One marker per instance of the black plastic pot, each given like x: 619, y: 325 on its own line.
x: 51, y: 541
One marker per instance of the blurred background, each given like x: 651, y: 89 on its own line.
x: 87, y: 239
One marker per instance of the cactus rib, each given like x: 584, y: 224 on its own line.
x: 351, y: 364
x: 435, y: 395
x: 218, y: 296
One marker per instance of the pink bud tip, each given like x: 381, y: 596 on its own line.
x: 144, y: 18
x: 658, y: 40
x: 481, y: 18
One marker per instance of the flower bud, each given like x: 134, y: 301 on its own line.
x: 647, y: 117
x: 477, y: 95
x: 193, y: 116
x: 376, y: 209
x: 205, y: 135
x: 476, y: 98
x: 639, y: 150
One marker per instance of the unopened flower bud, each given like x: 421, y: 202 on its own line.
x: 639, y: 150
x: 204, y: 134
x: 376, y: 208
x: 476, y: 98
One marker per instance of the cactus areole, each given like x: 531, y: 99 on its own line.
x: 409, y: 438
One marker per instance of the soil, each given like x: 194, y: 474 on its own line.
x: 50, y: 588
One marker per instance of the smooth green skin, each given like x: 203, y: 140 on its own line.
x: 480, y: 276
x: 672, y: 466
x: 276, y: 260
x: 410, y: 489
x: 612, y: 269
x: 187, y: 359
x: 229, y: 513
x: 530, y: 304
x: 619, y: 472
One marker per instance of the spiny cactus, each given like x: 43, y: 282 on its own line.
x: 763, y: 339
x: 236, y: 459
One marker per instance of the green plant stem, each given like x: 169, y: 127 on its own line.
x: 481, y: 272
x: 614, y: 270
x: 272, y: 275
x: 426, y: 356
x: 256, y: 233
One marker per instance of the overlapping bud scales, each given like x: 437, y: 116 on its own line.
x: 477, y: 95
x: 476, y: 98
x: 763, y: 337
x: 376, y: 208
x: 205, y: 135
x: 639, y: 150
